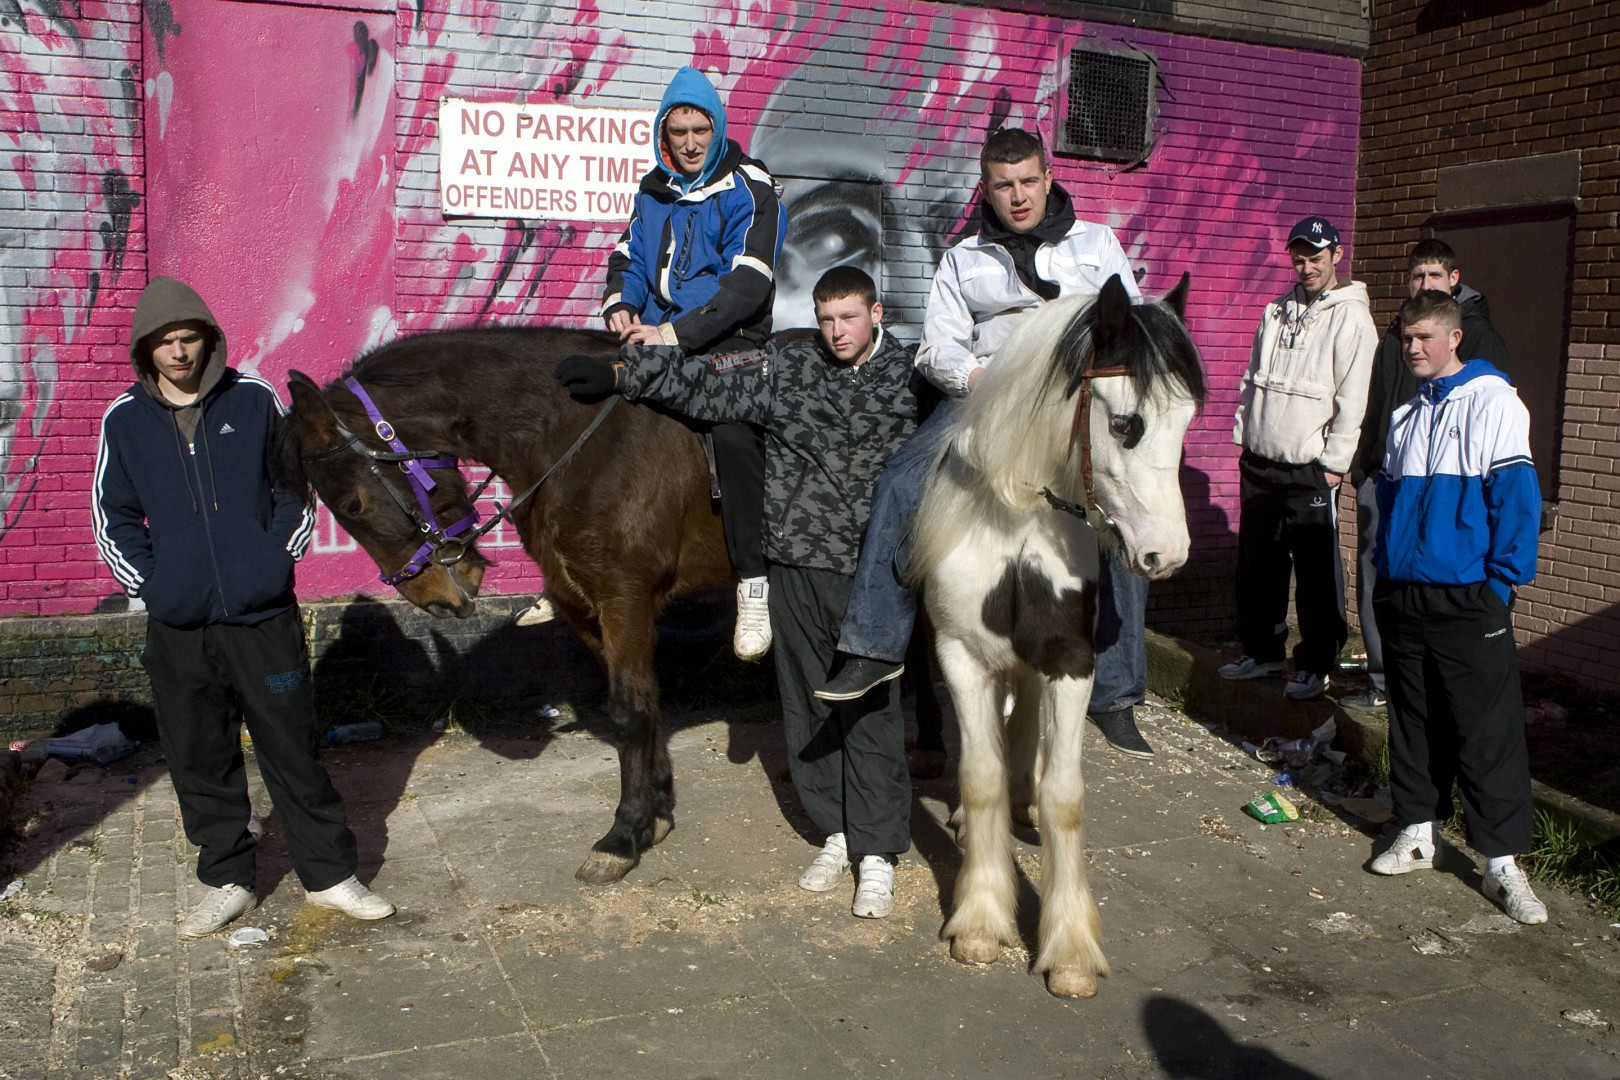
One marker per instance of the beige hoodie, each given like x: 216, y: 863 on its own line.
x: 1305, y: 392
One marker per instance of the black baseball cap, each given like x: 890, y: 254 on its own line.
x: 1315, y: 231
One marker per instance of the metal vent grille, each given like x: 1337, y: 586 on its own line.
x: 1109, y: 106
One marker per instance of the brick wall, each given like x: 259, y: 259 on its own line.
x: 72, y: 262
x: 1250, y: 138
x: 1538, y: 80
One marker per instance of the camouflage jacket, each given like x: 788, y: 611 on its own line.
x: 829, y: 430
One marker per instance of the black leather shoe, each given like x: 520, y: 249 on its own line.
x: 1119, y: 728
x: 857, y: 675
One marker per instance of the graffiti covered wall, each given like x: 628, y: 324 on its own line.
x: 303, y: 202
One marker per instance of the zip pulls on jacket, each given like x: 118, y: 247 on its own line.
x: 181, y: 447
x: 202, y: 426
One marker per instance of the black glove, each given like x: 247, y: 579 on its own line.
x: 587, y: 378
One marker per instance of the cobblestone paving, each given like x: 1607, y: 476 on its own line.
x: 1237, y: 950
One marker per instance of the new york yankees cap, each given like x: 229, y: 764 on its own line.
x: 1315, y: 231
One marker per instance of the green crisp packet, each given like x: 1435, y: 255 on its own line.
x: 1272, y: 809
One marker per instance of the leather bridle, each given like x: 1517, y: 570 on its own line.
x: 1081, y: 432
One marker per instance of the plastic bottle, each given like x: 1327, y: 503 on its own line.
x: 350, y: 733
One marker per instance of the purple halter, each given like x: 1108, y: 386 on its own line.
x: 414, y: 464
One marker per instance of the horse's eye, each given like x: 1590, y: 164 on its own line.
x: 1129, y: 428
x: 353, y: 507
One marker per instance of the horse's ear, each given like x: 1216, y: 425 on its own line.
x: 1177, y: 297
x: 1113, y: 311
x: 310, y: 410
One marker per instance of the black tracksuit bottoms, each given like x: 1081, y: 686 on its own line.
x: 1289, y: 527
x: 1456, y: 711
x: 204, y: 681
x: 848, y: 759
x: 739, y: 463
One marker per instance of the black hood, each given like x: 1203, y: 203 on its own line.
x: 1053, y: 228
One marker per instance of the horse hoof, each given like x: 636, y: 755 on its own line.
x: 1071, y: 983
x: 975, y: 949
x: 603, y: 869
x: 927, y: 764
x: 1026, y: 816
x: 662, y: 828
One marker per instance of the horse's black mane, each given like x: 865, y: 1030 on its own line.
x: 405, y: 360
x: 410, y: 360
x: 1154, y: 345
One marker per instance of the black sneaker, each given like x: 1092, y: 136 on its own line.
x: 1119, y: 728
x: 856, y: 675
x: 1365, y: 699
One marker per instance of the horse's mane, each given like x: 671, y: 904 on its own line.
x: 1014, y: 430
x: 415, y: 359
x: 1012, y: 435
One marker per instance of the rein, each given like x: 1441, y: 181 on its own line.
x: 445, y: 546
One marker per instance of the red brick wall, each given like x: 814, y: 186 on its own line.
x: 1534, y: 81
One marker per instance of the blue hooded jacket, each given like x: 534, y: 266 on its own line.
x: 698, y: 258
x: 1458, y: 499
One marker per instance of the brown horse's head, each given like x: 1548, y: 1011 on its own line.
x: 314, y: 449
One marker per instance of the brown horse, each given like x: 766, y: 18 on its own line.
x: 618, y: 528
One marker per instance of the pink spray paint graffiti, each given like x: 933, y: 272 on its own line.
x: 299, y: 196
x: 72, y: 258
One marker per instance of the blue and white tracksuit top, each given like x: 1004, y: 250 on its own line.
x: 698, y: 258
x: 1458, y: 498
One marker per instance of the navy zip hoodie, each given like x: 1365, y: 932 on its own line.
x: 184, y: 509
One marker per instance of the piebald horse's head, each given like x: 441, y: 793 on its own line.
x: 1091, y: 400
x: 1138, y: 420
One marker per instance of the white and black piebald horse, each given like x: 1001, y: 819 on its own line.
x: 1082, y: 416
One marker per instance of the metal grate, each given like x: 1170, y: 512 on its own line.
x: 1110, y: 106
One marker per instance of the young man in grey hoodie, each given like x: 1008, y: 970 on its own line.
x: 190, y: 522
x: 1303, y: 398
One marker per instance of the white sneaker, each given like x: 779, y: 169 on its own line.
x: 1410, y: 850
x: 541, y: 611
x: 874, y: 896
x: 1511, y: 889
x: 1247, y: 667
x: 752, y: 638
x: 353, y: 899
x: 1305, y: 686
x: 219, y: 908
x: 824, y: 874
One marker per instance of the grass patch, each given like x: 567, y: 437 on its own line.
x: 703, y: 899
x: 384, y: 702
x: 1559, y: 857
x: 1185, y: 699
x: 463, y: 713
x: 1378, y: 764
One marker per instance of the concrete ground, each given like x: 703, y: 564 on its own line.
x: 1238, y: 950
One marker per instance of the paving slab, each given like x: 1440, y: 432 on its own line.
x: 1237, y: 950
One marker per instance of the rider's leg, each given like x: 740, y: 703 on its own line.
x: 877, y: 622
x: 739, y: 459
